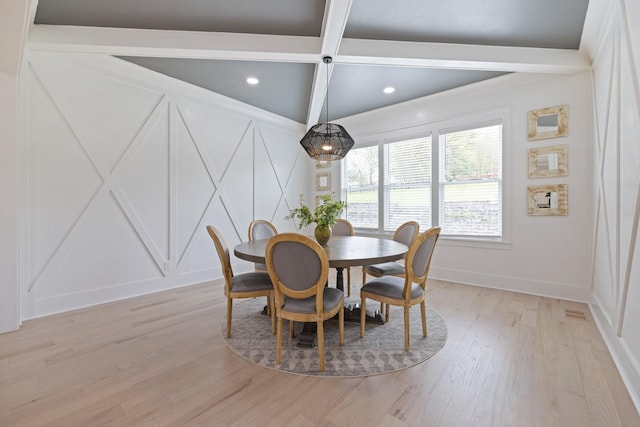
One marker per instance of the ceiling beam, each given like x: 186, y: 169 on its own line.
x: 175, y: 44
x: 259, y: 47
x: 462, y: 56
x: 336, y: 14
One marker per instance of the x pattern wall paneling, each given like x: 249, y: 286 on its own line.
x: 123, y: 177
x: 616, y: 278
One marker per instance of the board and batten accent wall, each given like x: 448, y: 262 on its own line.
x: 122, y: 169
x: 616, y: 187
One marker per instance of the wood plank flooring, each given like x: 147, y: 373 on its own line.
x: 159, y: 360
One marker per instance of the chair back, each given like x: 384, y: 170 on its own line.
x: 223, y: 254
x: 342, y: 227
x: 298, y: 267
x: 407, y: 232
x: 418, y: 259
x: 261, y: 229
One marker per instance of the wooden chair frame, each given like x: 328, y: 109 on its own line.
x: 227, y: 271
x: 252, y: 226
x: 409, y: 279
x: 373, y: 273
x: 317, y: 290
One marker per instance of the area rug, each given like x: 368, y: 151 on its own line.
x: 380, y: 351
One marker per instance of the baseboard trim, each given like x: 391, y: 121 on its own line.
x: 514, y: 284
x: 92, y: 297
x: 626, y: 367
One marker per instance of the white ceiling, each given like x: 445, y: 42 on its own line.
x: 420, y: 47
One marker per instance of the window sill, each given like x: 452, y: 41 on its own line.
x: 475, y: 243
x: 454, y: 241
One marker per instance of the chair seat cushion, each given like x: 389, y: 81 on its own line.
x: 391, y: 287
x: 386, y: 269
x: 250, y: 282
x: 332, y: 298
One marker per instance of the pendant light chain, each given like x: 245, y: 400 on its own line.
x: 327, y: 60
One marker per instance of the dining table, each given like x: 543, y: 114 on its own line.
x: 342, y: 252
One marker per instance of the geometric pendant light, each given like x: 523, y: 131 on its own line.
x: 327, y: 141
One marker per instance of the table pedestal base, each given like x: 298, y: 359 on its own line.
x: 308, y: 337
x: 352, y: 314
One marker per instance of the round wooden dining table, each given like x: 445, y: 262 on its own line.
x: 342, y: 251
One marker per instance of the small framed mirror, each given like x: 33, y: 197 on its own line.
x: 548, y: 162
x: 548, y: 200
x: 550, y: 122
x: 323, y: 181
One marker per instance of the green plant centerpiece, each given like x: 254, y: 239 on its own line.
x: 324, y: 215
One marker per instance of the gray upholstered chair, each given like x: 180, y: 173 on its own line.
x: 299, y: 268
x: 405, y: 233
x: 408, y: 290
x: 246, y: 285
x: 342, y: 227
x: 261, y: 229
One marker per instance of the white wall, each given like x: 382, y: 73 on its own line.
x: 616, y: 277
x: 542, y: 255
x: 9, y: 317
x: 13, y: 30
x: 123, y: 169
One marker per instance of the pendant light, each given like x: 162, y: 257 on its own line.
x: 327, y: 141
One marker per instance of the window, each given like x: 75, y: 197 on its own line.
x: 407, y: 183
x: 449, y: 177
x: 470, y: 182
x: 361, y: 190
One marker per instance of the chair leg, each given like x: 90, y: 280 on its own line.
x: 386, y: 313
x: 229, y: 310
x: 363, y: 313
x: 406, y: 328
x: 348, y: 281
x: 423, y: 312
x: 320, y: 331
x: 271, y: 308
x: 341, y: 325
x: 292, y: 334
x: 279, y: 340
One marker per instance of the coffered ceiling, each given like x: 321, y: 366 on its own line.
x: 418, y: 47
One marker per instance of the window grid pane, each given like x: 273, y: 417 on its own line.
x: 407, y: 183
x: 361, y: 190
x: 471, y: 181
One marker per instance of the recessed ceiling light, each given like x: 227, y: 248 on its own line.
x: 389, y: 89
x: 252, y: 80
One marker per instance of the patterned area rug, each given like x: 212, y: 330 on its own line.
x: 380, y: 351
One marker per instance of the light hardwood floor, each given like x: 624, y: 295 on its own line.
x: 159, y: 360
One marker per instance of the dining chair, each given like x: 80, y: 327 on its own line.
x: 405, y: 233
x: 299, y: 269
x: 261, y: 229
x: 245, y: 285
x: 404, y: 291
x: 342, y: 227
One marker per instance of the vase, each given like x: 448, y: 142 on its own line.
x: 322, y: 234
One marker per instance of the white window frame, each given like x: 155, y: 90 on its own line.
x: 479, y: 119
